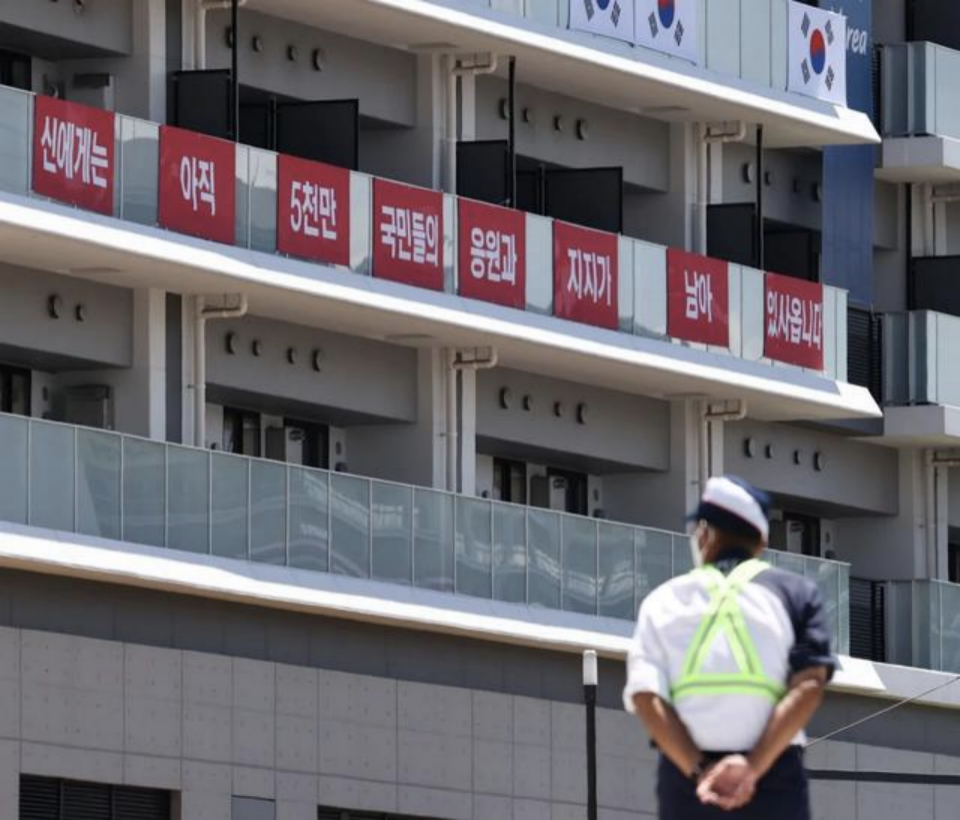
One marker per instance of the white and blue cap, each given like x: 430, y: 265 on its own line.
x: 734, y: 506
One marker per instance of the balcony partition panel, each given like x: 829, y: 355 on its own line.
x: 16, y: 135
x: 14, y: 476
x: 392, y: 523
x: 309, y: 519
x: 98, y: 483
x: 229, y: 506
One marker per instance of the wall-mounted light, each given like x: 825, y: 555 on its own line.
x: 819, y: 462
x: 750, y: 447
x: 228, y: 36
x: 558, y: 409
x: 80, y: 312
x: 230, y: 342
x: 529, y: 115
x: 817, y: 192
x: 293, y: 54
x: 583, y: 129
x: 583, y: 413
x: 291, y: 355
x: 528, y: 404
x: 768, y: 178
x: 558, y: 124
x: 54, y: 306
x: 504, y: 107
x: 798, y: 457
x: 79, y: 6
x: 506, y: 398
x: 318, y: 59
x: 257, y: 43
x: 769, y: 451
x: 749, y: 172
x: 256, y: 347
x: 316, y: 359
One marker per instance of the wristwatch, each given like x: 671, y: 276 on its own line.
x: 699, y: 770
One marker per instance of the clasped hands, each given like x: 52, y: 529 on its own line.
x: 729, y: 784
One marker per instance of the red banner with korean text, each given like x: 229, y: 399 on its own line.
x: 408, y: 234
x: 793, y: 321
x: 585, y: 272
x: 313, y: 210
x: 73, y: 154
x: 197, y: 184
x: 493, y: 247
x: 698, y: 298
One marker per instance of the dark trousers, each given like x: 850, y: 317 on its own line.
x: 781, y: 795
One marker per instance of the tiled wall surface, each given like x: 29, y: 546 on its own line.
x: 210, y: 726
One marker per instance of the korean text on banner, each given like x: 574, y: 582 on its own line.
x: 612, y: 18
x: 408, y: 234
x: 669, y: 26
x: 585, y: 268
x: 313, y: 210
x: 73, y: 154
x: 493, y: 247
x: 793, y: 321
x: 698, y: 298
x: 197, y: 184
x: 818, y: 53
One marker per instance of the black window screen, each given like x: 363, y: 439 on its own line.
x: 936, y: 284
x: 325, y: 131
x: 202, y: 102
x: 592, y: 197
x: 483, y: 171
x: 47, y: 798
x: 731, y: 233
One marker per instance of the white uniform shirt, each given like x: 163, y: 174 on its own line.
x: 784, y: 616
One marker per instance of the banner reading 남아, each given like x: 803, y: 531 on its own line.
x: 818, y: 53
x: 612, y: 18
x: 669, y: 26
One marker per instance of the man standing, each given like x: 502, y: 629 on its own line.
x: 728, y: 664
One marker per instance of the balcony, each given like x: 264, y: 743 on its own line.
x: 923, y: 624
x: 641, y: 269
x: 920, y: 113
x: 79, y: 480
x: 919, y: 365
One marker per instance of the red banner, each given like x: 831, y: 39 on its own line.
x: 73, y: 154
x: 793, y: 321
x: 197, y: 184
x: 585, y: 272
x: 408, y: 234
x: 313, y: 210
x: 493, y: 247
x: 698, y: 298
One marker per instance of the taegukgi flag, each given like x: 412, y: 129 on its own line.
x: 818, y: 53
x: 669, y: 26
x: 613, y: 18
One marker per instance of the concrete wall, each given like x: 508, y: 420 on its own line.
x: 620, y: 431
x: 384, y: 79
x: 640, y: 145
x: 103, y: 338
x: 856, y: 476
x: 359, y: 379
x: 105, y: 26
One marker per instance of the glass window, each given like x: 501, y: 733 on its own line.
x: 250, y: 808
x: 14, y: 390
x: 241, y: 432
x: 510, y: 481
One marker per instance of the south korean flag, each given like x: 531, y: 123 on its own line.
x: 818, y: 54
x: 612, y: 18
x: 669, y: 26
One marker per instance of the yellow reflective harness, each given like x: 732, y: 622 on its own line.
x: 725, y: 617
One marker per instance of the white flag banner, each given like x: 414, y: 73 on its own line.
x: 818, y: 53
x: 669, y: 26
x: 612, y: 18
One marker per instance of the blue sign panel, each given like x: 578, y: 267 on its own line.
x: 847, y: 260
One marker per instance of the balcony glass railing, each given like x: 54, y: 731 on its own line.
x: 642, y: 266
x: 919, y: 365
x: 120, y: 487
x: 919, y: 90
x: 923, y: 624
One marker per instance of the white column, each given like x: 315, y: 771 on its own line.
x: 187, y: 400
x: 468, y: 432
x: 145, y: 403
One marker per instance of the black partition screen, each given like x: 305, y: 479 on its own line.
x: 935, y: 20
x: 257, y: 124
x: 592, y: 197
x: 483, y: 171
x: 201, y: 102
x: 731, y: 233
x: 324, y: 130
x: 936, y: 284
x: 792, y: 251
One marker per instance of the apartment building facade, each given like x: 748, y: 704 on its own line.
x: 358, y: 362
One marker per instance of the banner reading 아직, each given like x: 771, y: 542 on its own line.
x: 793, y: 321
x: 73, y: 156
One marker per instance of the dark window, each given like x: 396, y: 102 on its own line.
x: 300, y: 442
x: 953, y: 563
x: 241, y: 432
x: 509, y: 481
x: 15, y: 70
x: 328, y: 813
x: 573, y: 486
x: 14, y: 391
x: 47, y: 798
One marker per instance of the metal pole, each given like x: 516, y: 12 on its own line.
x: 512, y: 138
x: 590, y: 700
x: 235, y: 67
x: 760, y: 184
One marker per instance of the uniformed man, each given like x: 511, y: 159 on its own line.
x: 728, y: 664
